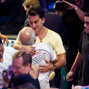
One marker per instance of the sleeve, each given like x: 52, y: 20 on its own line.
x: 59, y: 48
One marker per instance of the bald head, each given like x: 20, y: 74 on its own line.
x: 27, y: 36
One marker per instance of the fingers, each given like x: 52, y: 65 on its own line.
x: 46, y: 61
x: 7, y: 42
x: 34, y: 73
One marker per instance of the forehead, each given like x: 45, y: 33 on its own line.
x: 31, y: 17
x: 18, y: 61
x: 86, y: 19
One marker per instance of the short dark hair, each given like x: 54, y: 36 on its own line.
x: 36, y: 10
x: 0, y: 40
x: 87, y: 13
x: 26, y: 57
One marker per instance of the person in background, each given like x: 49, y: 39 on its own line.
x: 36, y: 21
x: 72, y: 17
x: 12, y: 16
x: 82, y: 58
x: 6, y: 54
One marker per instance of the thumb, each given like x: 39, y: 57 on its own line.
x: 46, y: 61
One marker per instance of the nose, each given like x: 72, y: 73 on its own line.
x: 14, y: 70
x: 33, y: 25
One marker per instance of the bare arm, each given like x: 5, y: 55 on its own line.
x: 59, y: 63
x: 79, y: 12
x: 5, y: 39
x: 28, y: 48
x: 76, y: 64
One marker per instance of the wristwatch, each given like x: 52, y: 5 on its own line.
x: 54, y: 67
x: 76, y: 8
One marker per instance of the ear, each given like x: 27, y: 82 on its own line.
x: 43, y: 20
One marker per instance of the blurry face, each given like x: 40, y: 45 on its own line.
x: 19, y: 68
x: 36, y: 23
x: 1, y: 51
x: 86, y: 24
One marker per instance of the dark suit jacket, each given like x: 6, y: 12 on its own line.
x: 22, y: 79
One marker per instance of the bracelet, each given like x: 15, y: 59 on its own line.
x: 76, y: 8
x: 54, y: 67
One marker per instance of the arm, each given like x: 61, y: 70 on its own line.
x: 79, y: 12
x: 60, y: 61
x: 5, y: 39
x: 77, y: 62
x: 28, y: 48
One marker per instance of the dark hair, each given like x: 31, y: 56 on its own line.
x: 87, y: 13
x: 26, y: 86
x: 60, y: 6
x: 36, y: 10
x: 0, y: 40
x: 26, y: 57
x: 20, y: 80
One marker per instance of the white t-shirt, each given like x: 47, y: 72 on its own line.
x: 7, y: 61
x: 43, y: 52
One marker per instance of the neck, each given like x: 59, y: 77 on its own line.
x: 42, y: 33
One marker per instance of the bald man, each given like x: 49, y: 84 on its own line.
x: 42, y: 52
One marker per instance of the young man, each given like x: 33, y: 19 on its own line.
x: 36, y: 21
x: 82, y: 56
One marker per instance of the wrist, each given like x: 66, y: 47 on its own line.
x: 54, y: 66
x: 76, y: 8
x: 72, y: 71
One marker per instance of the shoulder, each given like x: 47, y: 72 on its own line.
x: 53, y: 33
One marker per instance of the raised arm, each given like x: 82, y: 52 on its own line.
x: 79, y: 12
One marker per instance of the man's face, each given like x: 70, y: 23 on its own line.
x: 86, y: 24
x: 1, y: 51
x: 18, y: 67
x: 36, y: 23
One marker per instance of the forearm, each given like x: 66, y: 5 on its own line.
x: 61, y: 61
x: 17, y: 46
x: 77, y: 62
x: 3, y: 36
x: 80, y: 13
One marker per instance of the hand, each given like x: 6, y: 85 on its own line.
x: 29, y: 48
x: 34, y: 73
x: 69, y: 76
x: 70, y: 5
x: 46, y: 67
x: 5, y: 39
